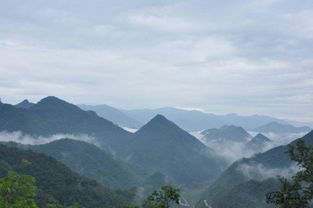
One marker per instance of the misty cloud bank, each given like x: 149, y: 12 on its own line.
x: 259, y: 172
x: 231, y: 151
x: 21, y: 138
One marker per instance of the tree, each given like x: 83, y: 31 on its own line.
x: 297, y: 192
x: 163, y: 198
x: 17, y: 191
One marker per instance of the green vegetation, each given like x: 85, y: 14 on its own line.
x: 297, y: 192
x: 57, y: 184
x: 163, y: 198
x: 17, y: 191
x: 90, y: 161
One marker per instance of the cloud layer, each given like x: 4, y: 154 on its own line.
x: 249, y: 57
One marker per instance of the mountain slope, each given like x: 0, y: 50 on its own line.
x: 259, y: 167
x: 226, y: 134
x: 116, y: 116
x: 54, y: 116
x: 89, y: 160
x: 58, y: 183
x: 162, y: 146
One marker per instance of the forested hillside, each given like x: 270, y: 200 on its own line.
x: 58, y: 184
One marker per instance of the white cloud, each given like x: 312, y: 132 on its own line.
x: 21, y: 138
x: 259, y: 172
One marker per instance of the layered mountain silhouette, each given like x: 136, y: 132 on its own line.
x: 57, y: 183
x: 90, y: 161
x: 226, y: 134
x: 258, y: 143
x: 278, y: 128
x: 193, y: 120
x: 161, y: 146
x: 188, y: 120
x: 54, y: 116
x: 259, y: 168
x: 116, y: 116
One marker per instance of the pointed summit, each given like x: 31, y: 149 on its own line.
x: 159, y: 120
x: 162, y: 128
x: 161, y: 145
x: 258, y: 143
x: 24, y: 104
x: 261, y: 137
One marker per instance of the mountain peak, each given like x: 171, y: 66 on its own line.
x: 51, y: 99
x: 159, y: 118
x: 24, y: 104
x: 157, y: 122
x: 261, y: 137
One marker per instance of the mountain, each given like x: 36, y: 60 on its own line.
x: 226, y: 134
x: 260, y: 167
x: 88, y: 160
x: 161, y: 146
x: 248, y: 122
x: 188, y: 120
x: 56, y: 182
x: 52, y: 116
x: 278, y: 128
x: 258, y: 143
x: 116, y: 116
x: 24, y: 104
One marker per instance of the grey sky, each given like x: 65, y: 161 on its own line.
x: 243, y: 56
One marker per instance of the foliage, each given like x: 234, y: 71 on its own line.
x: 163, y: 198
x: 130, y: 206
x: 297, y: 192
x: 57, y: 184
x: 17, y: 191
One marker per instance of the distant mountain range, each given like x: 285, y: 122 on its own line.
x: 116, y: 116
x: 190, y: 120
x: 278, y: 128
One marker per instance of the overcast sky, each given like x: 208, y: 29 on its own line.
x: 241, y: 56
